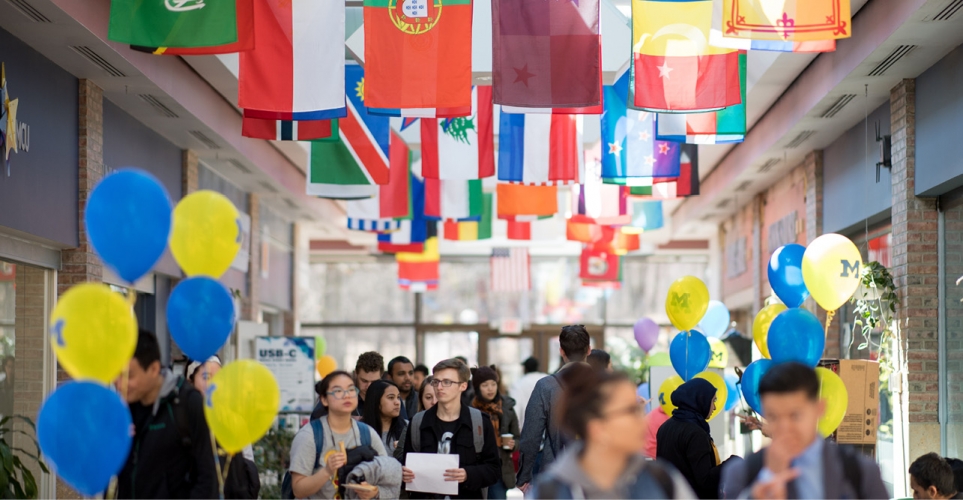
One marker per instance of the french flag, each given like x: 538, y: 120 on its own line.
x: 540, y: 149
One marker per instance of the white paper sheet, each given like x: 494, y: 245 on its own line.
x: 429, y: 469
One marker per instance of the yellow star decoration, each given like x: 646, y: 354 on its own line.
x: 359, y: 90
x: 10, y: 107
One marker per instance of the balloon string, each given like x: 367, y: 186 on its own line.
x: 217, y: 466
x: 829, y: 320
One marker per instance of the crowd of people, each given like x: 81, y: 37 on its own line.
x: 581, y: 432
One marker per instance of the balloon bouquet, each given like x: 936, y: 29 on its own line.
x: 828, y: 271
x: 84, y: 426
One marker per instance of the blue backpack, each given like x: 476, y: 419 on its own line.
x: 287, y: 487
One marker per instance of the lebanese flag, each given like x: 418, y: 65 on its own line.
x: 296, y: 69
x: 546, y: 54
x: 415, y: 57
x: 244, y: 10
x: 285, y: 130
x: 540, y: 149
x: 453, y: 200
x: 680, y: 75
x: 460, y: 148
x: 525, y: 200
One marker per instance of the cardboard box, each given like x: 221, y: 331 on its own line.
x: 861, y: 422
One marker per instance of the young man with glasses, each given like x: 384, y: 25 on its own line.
x: 451, y: 428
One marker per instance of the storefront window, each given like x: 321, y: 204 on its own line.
x: 952, y: 352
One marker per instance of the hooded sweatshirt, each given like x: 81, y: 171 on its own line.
x: 566, y: 479
x: 164, y: 461
x: 684, y: 439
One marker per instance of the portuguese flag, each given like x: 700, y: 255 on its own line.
x: 417, y: 53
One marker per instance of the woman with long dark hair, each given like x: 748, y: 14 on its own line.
x: 501, y: 409
x: 602, y: 409
x: 382, y: 410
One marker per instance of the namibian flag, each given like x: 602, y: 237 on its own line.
x: 676, y: 70
x: 418, y: 53
x: 540, y: 149
x: 354, y: 160
x: 713, y: 127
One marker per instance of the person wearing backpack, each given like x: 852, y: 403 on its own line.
x: 799, y: 463
x: 541, y: 440
x: 501, y: 409
x: 242, y: 480
x: 603, y: 409
x: 319, y: 467
x: 451, y: 427
x: 171, y: 456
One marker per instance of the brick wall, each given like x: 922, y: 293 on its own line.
x: 914, y: 269
x: 81, y: 264
x: 782, y: 199
x: 250, y: 305
x: 28, y: 371
x: 188, y: 172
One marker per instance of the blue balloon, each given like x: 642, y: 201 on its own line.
x: 690, y: 353
x: 796, y: 335
x: 84, y: 432
x: 732, y: 399
x: 128, y: 220
x: 716, y: 320
x: 785, y: 275
x: 750, y: 382
x: 200, y: 316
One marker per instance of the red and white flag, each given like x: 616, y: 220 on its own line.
x: 510, y: 270
x: 460, y: 148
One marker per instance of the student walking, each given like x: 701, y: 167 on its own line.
x: 402, y: 372
x: 382, y: 411
x: 453, y: 428
x: 501, y: 410
x: 369, y: 368
x: 602, y: 408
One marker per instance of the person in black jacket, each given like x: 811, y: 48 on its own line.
x: 447, y: 428
x: 171, y: 456
x: 684, y: 439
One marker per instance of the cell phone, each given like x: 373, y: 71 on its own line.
x: 360, y: 487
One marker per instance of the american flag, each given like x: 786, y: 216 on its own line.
x: 510, y: 270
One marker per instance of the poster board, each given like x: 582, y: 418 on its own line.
x: 291, y: 360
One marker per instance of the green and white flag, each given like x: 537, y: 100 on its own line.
x: 173, y: 23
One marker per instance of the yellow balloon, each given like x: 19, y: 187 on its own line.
x: 205, y: 234
x: 722, y: 392
x: 833, y: 391
x: 687, y: 302
x: 241, y: 403
x: 720, y: 353
x: 669, y: 386
x: 760, y: 326
x: 93, y: 332
x: 326, y: 365
x: 830, y: 270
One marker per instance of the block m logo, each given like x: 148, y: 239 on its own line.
x: 681, y: 301
x: 849, y: 268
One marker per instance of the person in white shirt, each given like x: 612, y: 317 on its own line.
x: 522, y: 389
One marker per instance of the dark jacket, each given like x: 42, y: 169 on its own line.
x: 689, y: 449
x: 482, y: 470
x: 508, y: 424
x: 835, y: 480
x: 539, y: 426
x: 161, y: 463
x: 411, y: 405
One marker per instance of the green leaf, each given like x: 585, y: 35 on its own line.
x: 862, y: 346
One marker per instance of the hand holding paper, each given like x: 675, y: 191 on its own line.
x: 431, y: 473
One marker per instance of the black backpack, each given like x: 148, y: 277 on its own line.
x: 242, y: 481
x: 287, y: 487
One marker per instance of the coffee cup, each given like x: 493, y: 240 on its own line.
x: 504, y: 437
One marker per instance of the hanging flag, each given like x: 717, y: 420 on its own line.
x: 585, y: 110
x: 597, y: 203
x: 519, y: 230
x: 540, y: 149
x: 786, y: 20
x: 418, y: 271
x: 395, y: 196
x: 525, y: 200
x: 669, y: 188
x: 411, y: 236
x: 296, y: 69
x: 407, y: 122
x: 646, y: 216
x: 285, y: 130
x: 415, y: 56
x: 460, y: 148
x: 716, y: 39
x: 245, y: 37
x: 588, y: 232
x: 415, y: 113
x: 546, y: 54
x: 180, y: 23
x: 453, y: 200
x: 675, y: 68
x: 510, y: 270
x: 620, y: 244
x: 600, y: 265
x: 629, y: 146
x: 354, y: 160
x: 471, y: 230
x: 713, y: 127
x: 365, y: 215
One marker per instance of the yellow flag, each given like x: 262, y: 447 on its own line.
x: 786, y: 20
x: 430, y: 253
x: 675, y: 29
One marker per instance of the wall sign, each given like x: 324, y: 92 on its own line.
x: 291, y: 360
x: 14, y: 135
x: 783, y: 232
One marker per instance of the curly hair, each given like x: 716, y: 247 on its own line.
x: 370, y: 362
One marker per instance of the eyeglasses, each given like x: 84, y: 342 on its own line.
x: 340, y: 393
x: 443, y: 383
x: 634, y: 410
